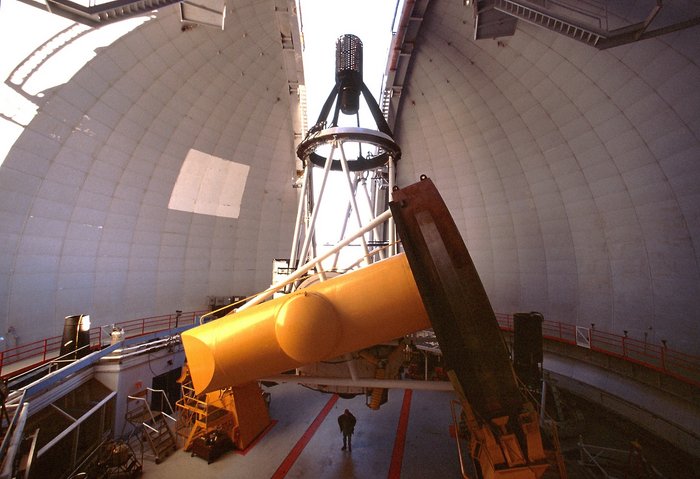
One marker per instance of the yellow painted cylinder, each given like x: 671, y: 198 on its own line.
x: 362, y: 308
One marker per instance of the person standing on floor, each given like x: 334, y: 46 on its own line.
x: 347, y: 421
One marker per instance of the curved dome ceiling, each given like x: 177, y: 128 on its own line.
x: 109, y: 194
x: 572, y: 173
x: 161, y: 173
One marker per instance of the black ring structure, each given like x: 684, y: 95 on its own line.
x: 307, y: 148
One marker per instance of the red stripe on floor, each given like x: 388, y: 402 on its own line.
x: 296, y: 451
x: 257, y: 439
x: 400, y: 442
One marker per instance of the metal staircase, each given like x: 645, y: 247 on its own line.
x: 101, y: 13
x: 151, y: 425
x: 585, y: 21
x: 550, y: 22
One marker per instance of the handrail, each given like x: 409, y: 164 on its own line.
x: 14, y: 437
x: 212, y: 315
x: 49, y: 364
x: 167, y: 401
x: 173, y: 419
x: 75, y: 424
x: 660, y: 358
x: 303, y: 269
x: 20, y: 406
x: 42, y: 351
x: 459, y: 445
x: 290, y: 279
x: 148, y: 408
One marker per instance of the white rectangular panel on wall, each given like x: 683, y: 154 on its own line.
x: 583, y: 337
x: 209, y: 185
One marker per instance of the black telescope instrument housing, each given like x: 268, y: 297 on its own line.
x: 348, y: 72
x: 345, y: 97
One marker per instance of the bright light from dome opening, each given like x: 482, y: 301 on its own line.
x: 46, y: 51
x: 323, y: 22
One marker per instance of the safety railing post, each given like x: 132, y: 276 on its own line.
x: 663, y: 355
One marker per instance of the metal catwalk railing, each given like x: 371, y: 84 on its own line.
x: 27, y: 356
x: 94, y: 13
x: 660, y: 358
x: 551, y: 22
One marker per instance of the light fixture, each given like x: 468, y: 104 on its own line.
x: 84, y: 322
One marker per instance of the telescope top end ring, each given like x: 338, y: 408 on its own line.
x: 348, y: 54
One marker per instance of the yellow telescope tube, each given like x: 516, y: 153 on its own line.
x: 362, y: 308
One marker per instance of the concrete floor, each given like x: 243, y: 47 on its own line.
x: 428, y: 450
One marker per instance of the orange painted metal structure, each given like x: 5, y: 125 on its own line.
x: 250, y: 413
x: 240, y: 412
x: 362, y: 308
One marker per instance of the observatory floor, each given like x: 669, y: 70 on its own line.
x: 408, y: 438
x: 303, y: 443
